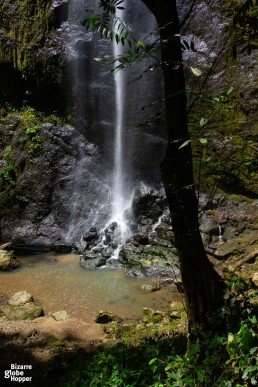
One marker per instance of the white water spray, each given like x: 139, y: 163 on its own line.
x: 220, y: 234
x: 120, y: 202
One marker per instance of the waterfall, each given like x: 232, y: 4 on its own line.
x: 120, y: 201
x: 220, y: 233
x: 90, y: 191
x: 106, y: 110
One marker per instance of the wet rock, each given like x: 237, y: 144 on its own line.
x: 45, y: 217
x: 105, y: 317
x: 165, y: 232
x: 147, y: 203
x: 8, y: 261
x: 148, y: 288
x: 149, y: 261
x: 107, y: 252
x: 64, y: 248
x: 129, y: 253
x: 20, y: 298
x: 140, y: 239
x: 110, y: 232
x: 91, y: 236
x: 61, y: 315
x: 91, y: 260
x: 156, y: 241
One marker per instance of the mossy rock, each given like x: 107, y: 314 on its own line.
x: 54, y: 341
x: 152, y: 316
x: 110, y: 329
x: 105, y: 317
x: 28, y: 311
x: 8, y: 260
x: 124, y: 331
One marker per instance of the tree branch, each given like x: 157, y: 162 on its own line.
x: 188, y: 14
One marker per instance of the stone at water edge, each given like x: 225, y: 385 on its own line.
x: 90, y: 260
x: 61, y: 315
x: 105, y: 317
x: 28, y: 311
x: 8, y: 260
x: 22, y: 307
x: 148, y: 288
x: 20, y: 298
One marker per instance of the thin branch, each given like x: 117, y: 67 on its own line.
x: 188, y: 14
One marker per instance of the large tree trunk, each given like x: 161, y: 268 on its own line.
x: 203, y: 287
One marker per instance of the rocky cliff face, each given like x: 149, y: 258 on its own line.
x: 222, y: 98
x: 37, y: 177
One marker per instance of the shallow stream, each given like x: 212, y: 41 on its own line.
x: 57, y: 282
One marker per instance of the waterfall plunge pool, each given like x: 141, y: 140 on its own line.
x: 57, y: 282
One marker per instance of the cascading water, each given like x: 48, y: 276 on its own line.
x: 105, y: 177
x: 90, y: 192
x: 120, y: 199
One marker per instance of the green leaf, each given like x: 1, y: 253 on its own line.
x: 140, y: 44
x: 203, y: 141
x: 253, y: 320
x: 253, y: 350
x: 153, y: 360
x: 196, y: 71
x: 203, y: 122
x: 230, y: 90
x: 184, y: 144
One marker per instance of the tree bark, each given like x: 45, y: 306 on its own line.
x: 203, y: 287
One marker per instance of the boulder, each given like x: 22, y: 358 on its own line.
x: 148, y: 288
x: 20, y: 298
x: 91, y: 260
x: 28, y: 311
x: 8, y: 260
x: 147, y: 202
x: 91, y: 236
x: 61, y: 315
x: 105, y: 317
x: 22, y: 307
x: 152, y: 316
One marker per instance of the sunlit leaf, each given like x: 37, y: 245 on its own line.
x: 196, y: 71
x: 203, y: 122
x: 153, y: 360
x: 203, y: 141
x: 184, y: 144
